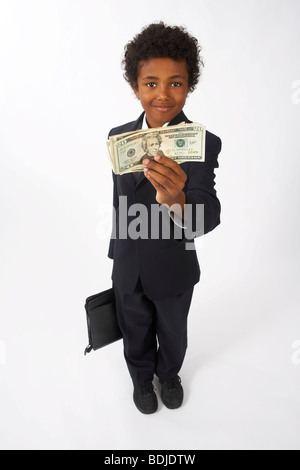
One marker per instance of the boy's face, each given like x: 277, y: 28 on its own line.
x: 162, y: 89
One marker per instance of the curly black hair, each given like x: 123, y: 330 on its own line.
x: 159, y: 40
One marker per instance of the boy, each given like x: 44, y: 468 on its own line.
x: 154, y: 276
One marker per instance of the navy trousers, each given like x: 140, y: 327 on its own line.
x: 154, y: 333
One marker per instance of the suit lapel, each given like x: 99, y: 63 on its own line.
x: 181, y: 117
x: 141, y: 178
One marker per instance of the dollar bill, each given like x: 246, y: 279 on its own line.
x: 182, y: 143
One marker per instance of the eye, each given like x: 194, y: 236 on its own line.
x: 175, y: 84
x: 151, y: 84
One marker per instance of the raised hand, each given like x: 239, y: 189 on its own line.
x: 168, y: 179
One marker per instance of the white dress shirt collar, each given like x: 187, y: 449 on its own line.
x: 145, y: 124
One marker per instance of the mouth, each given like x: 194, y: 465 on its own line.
x: 163, y: 108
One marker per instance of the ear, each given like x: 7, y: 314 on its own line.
x: 135, y: 90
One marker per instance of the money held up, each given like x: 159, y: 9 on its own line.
x: 182, y: 143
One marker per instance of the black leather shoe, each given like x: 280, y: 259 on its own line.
x: 145, y: 399
x: 172, y: 392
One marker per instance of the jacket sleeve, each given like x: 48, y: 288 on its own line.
x: 200, y: 190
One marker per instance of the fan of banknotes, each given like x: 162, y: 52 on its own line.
x: 183, y: 143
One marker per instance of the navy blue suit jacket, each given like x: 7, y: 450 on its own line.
x: 166, y: 267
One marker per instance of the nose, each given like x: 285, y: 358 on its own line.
x: 163, y: 94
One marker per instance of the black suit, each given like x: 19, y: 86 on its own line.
x: 166, y: 268
x: 154, y: 278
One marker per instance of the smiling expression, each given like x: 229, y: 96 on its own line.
x: 162, y: 88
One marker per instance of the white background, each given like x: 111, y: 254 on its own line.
x: 61, y: 90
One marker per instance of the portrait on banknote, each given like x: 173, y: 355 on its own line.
x: 151, y: 145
